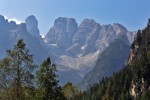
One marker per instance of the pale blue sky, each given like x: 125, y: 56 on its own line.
x: 133, y: 14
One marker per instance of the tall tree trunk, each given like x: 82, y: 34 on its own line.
x: 18, y: 80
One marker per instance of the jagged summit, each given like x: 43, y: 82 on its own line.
x: 87, y: 22
x: 64, y: 21
x: 32, y: 25
x: 3, y: 22
x: 62, y: 32
x: 120, y: 29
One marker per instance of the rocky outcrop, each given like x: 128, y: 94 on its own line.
x: 119, y: 29
x: 85, y: 38
x: 134, y: 48
x: 86, y: 29
x: 32, y: 25
x: 62, y: 32
x: 131, y: 35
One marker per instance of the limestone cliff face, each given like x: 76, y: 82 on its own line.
x: 85, y: 38
x: 32, y: 25
x: 137, y: 88
x: 62, y: 32
x: 134, y: 48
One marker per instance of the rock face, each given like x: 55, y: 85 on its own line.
x: 32, y: 25
x: 3, y: 22
x: 111, y: 60
x: 62, y: 32
x: 131, y: 36
x: 85, y: 37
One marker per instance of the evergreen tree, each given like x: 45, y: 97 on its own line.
x: 71, y: 92
x: 47, y: 83
x: 16, y: 73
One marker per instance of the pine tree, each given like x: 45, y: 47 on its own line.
x: 16, y: 72
x: 71, y: 92
x: 47, y: 83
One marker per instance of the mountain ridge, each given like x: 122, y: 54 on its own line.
x: 133, y: 81
x: 63, y: 47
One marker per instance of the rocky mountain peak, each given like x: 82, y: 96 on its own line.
x: 62, y: 32
x: 67, y: 24
x: 60, y: 22
x: 32, y: 25
x: 120, y: 29
x: 3, y: 22
x: 85, y: 37
x: 87, y: 27
x: 88, y: 23
x: 12, y: 25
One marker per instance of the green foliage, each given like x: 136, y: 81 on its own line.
x: 71, y: 92
x: 145, y: 95
x: 47, y: 83
x: 16, y: 72
x: 17, y: 81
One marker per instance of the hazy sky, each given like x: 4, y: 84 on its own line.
x: 133, y: 14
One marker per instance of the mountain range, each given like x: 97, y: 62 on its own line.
x: 74, y: 48
x: 133, y: 81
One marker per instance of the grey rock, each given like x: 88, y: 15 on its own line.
x: 3, y: 23
x: 85, y: 37
x: 131, y: 35
x: 62, y: 32
x: 111, y: 60
x: 32, y: 25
